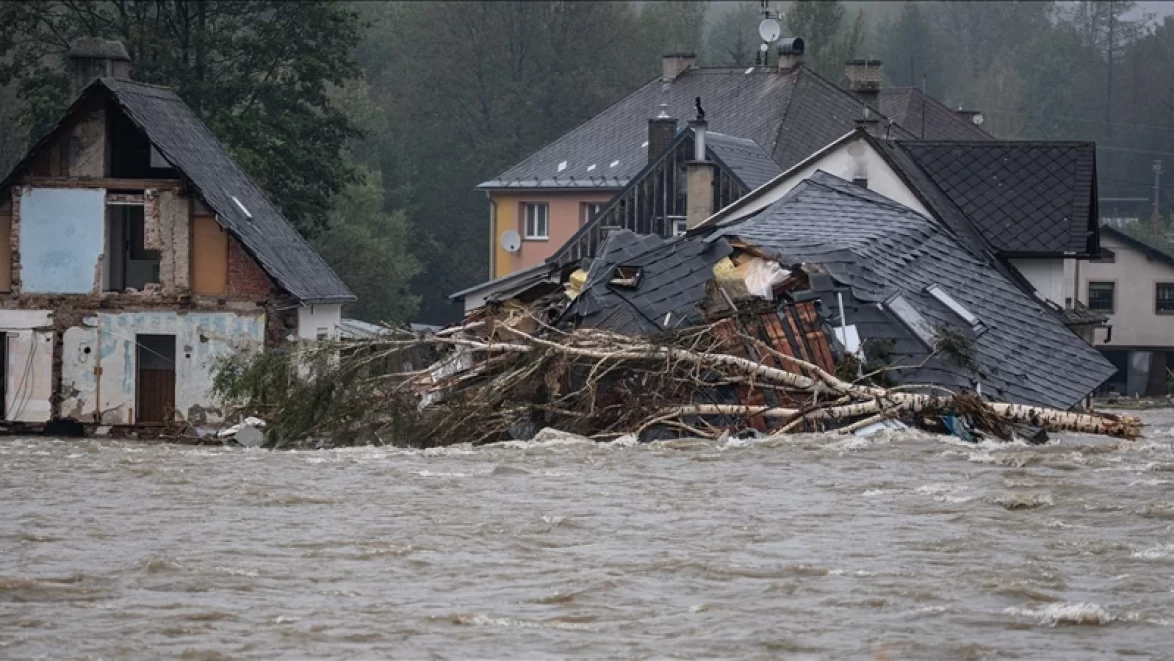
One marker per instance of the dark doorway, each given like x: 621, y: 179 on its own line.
x: 155, y: 378
x: 3, y: 376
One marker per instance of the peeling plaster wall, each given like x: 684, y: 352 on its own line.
x: 29, y: 382
x: 201, y: 339
x: 175, y: 262
x: 62, y: 238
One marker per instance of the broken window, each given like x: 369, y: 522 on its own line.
x: 625, y: 276
x: 128, y: 263
x: 1101, y: 296
x: 132, y: 156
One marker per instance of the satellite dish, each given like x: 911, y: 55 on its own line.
x: 511, y: 241
x: 977, y: 119
x: 769, y: 29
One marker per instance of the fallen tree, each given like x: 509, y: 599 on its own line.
x: 495, y: 382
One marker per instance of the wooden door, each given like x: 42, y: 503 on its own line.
x: 155, y: 378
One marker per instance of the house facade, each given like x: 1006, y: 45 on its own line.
x: 137, y: 256
x: 1132, y: 283
x: 789, y: 111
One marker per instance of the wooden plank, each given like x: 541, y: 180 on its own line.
x: 93, y: 182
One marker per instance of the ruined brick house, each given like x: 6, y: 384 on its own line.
x: 140, y: 254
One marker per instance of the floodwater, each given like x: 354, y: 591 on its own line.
x: 820, y: 546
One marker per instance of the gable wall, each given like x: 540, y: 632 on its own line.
x: 1134, y: 319
x: 71, y: 344
x: 855, y: 158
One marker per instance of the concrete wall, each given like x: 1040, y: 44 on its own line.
x: 311, y: 318
x: 29, y: 369
x: 62, y: 238
x: 565, y: 216
x: 108, y: 341
x: 1135, y: 321
x: 853, y: 159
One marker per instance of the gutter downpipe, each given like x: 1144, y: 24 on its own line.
x: 492, y: 234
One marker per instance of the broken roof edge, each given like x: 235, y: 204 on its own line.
x: 720, y: 218
x: 503, y: 280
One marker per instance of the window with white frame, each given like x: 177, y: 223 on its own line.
x: 680, y: 226
x: 589, y: 210
x: 537, y: 220
x: 1164, y: 298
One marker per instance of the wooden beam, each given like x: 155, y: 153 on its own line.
x: 109, y: 184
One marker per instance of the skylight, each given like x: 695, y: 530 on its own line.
x: 955, y: 307
x: 614, y: 163
x: 917, y: 324
x: 562, y: 166
x: 591, y: 167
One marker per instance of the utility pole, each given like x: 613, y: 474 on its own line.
x: 1157, y: 185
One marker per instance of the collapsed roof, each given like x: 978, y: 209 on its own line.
x: 901, y: 277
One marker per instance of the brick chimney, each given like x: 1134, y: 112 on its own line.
x: 699, y: 194
x: 791, y: 52
x: 674, y: 64
x: 91, y: 58
x: 662, y: 129
x: 863, y: 79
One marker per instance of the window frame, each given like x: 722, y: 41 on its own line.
x: 684, y: 224
x: 1113, y: 291
x: 584, y: 207
x: 1157, y: 288
x: 524, y: 218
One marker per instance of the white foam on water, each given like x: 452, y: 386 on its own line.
x: 1161, y: 552
x: 428, y: 473
x: 1052, y: 615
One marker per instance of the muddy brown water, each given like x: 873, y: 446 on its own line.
x: 819, y: 546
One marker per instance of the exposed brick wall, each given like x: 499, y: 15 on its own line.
x: 246, y: 279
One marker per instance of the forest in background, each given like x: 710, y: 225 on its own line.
x: 370, y: 123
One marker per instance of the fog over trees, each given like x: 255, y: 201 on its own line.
x: 370, y: 123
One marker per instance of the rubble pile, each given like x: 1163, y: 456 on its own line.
x: 756, y: 355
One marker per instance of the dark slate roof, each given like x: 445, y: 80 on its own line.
x: 911, y: 108
x: 191, y: 148
x: 674, y: 273
x: 1150, y: 250
x: 1026, y: 198
x: 878, y: 249
x: 789, y: 114
x: 749, y: 162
